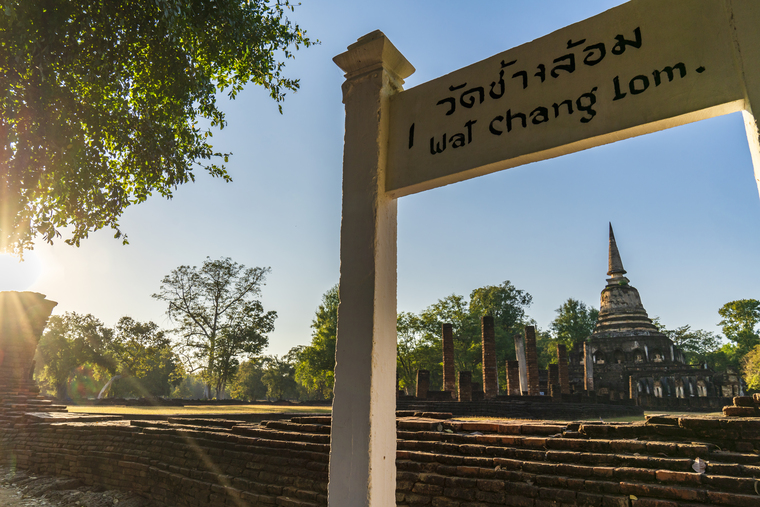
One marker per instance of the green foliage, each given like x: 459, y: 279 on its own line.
x: 191, y: 387
x: 574, y: 322
x: 315, y: 363
x: 78, y: 351
x: 751, y: 368
x: 416, y: 350
x: 71, y: 343
x: 279, y: 378
x: 740, y: 323
x: 726, y: 357
x: 104, y: 103
x: 420, y: 336
x: 143, y: 357
x: 247, y: 384
x: 218, y: 315
x: 696, y: 344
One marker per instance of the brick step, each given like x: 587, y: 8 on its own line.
x: 494, y: 481
x: 454, y: 452
x: 284, y: 501
x: 56, y: 408
x: 324, y: 420
x: 570, y: 444
x: 297, y: 427
x: 175, y: 426
x: 263, y: 432
x: 194, y: 421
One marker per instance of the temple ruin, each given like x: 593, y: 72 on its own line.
x: 628, y: 358
x: 626, y: 361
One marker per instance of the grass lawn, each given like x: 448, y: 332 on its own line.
x: 200, y: 409
x: 296, y: 409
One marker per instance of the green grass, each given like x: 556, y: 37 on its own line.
x: 199, y: 409
x: 297, y: 409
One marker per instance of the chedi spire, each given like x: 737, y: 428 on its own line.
x: 616, y: 270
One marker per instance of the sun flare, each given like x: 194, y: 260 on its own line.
x: 19, y: 275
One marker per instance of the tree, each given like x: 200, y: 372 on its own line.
x: 69, y: 342
x: 740, y: 321
x: 420, y: 337
x: 696, y: 344
x: 103, y: 102
x: 315, y: 363
x: 507, y: 305
x: 218, y: 315
x: 247, y: 384
x: 574, y: 322
x: 279, y: 378
x: 143, y: 360
x: 751, y: 368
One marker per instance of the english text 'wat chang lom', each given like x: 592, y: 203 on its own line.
x: 626, y: 361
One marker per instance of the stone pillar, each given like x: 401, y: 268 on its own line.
x: 363, y: 436
x: 465, y: 386
x: 588, y: 366
x: 23, y: 316
x: 633, y: 388
x: 490, y: 371
x: 553, y: 379
x: 532, y: 360
x: 513, y: 378
x: 520, y: 353
x: 449, y: 372
x: 423, y: 384
x: 564, y: 375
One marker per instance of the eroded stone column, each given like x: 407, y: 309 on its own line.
x: 523, y: 367
x: 513, y: 378
x: 564, y: 375
x: 449, y: 372
x: 588, y: 367
x: 490, y: 371
x: 633, y: 388
x: 532, y: 360
x: 465, y: 386
x: 423, y: 384
x: 23, y: 316
x: 552, y: 385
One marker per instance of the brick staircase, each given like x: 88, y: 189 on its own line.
x: 441, y: 462
x: 665, y: 462
x: 18, y: 398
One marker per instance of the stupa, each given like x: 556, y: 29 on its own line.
x: 628, y: 357
x: 624, y: 332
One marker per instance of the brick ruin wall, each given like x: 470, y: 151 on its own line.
x: 441, y: 462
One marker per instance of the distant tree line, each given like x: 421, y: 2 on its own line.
x: 215, y: 349
x: 419, y: 337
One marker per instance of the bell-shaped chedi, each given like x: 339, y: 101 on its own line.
x: 23, y: 316
x: 621, y: 312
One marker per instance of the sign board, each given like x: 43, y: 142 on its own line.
x: 643, y: 66
x: 640, y: 67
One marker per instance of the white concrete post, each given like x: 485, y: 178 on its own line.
x: 363, y: 438
x: 744, y: 17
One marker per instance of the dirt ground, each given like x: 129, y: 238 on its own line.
x: 17, y: 489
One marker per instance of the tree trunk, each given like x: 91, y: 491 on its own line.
x: 62, y: 391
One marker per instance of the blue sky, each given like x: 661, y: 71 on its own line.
x: 683, y: 202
